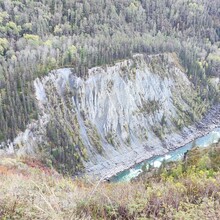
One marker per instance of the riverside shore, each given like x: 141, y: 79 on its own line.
x: 209, y: 122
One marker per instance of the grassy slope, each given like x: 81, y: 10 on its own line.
x: 185, y: 190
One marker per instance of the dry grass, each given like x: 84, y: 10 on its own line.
x: 28, y: 190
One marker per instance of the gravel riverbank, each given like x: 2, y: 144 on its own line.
x: 173, y: 141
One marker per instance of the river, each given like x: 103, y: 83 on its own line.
x: 174, y: 155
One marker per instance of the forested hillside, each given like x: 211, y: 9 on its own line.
x: 37, y: 36
x: 105, y: 90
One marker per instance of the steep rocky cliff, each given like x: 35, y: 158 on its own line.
x: 116, y: 116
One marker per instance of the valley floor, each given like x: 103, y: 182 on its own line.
x: 104, y: 170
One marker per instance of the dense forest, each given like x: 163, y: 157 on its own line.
x: 38, y: 36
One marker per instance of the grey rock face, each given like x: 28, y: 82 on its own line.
x: 129, y: 109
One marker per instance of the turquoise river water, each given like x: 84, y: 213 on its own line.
x: 174, y: 155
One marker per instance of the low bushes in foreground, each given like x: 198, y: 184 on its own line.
x: 189, y: 189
